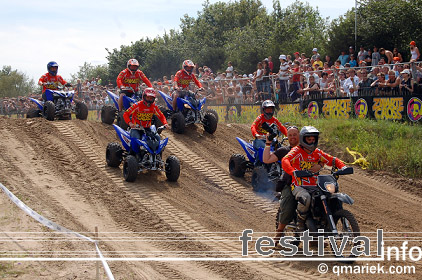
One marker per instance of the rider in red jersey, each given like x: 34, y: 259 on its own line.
x: 51, y: 80
x: 258, y: 132
x: 142, y: 113
x: 129, y: 80
x: 182, y: 80
x: 306, y: 156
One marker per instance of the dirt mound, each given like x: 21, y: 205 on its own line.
x: 58, y: 169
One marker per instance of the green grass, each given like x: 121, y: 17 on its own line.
x: 387, y: 145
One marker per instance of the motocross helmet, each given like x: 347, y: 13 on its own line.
x: 188, y: 66
x: 149, y: 92
x: 268, y: 104
x: 305, y: 132
x: 132, y: 65
x: 50, y: 65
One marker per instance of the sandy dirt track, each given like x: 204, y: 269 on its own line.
x: 58, y: 169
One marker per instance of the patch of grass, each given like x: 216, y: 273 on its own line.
x: 387, y: 145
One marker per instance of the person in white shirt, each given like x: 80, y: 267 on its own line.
x: 350, y: 85
x: 229, y: 70
x: 283, y: 76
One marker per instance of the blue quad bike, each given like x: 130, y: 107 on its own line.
x: 109, y: 113
x: 264, y: 176
x: 190, y: 111
x: 59, y: 104
x: 141, y: 154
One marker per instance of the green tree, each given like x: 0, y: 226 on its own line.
x: 298, y: 27
x: 14, y: 83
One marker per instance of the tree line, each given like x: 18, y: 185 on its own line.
x: 245, y: 33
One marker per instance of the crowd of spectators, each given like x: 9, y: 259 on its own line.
x: 369, y: 72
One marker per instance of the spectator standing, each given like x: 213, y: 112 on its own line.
x: 297, y: 57
x: 414, y: 52
x: 283, y: 76
x: 314, y: 54
x: 398, y: 55
x: 350, y: 86
x: 387, y: 54
x: 375, y: 56
x: 258, y: 76
x: 344, y: 58
x: 364, y: 87
x: 229, y: 70
x: 317, y: 63
x: 352, y: 61
x: 362, y: 54
x: 352, y: 51
x: 270, y: 63
x: 329, y: 61
x: 266, y: 81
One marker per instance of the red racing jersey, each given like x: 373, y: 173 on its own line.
x: 299, y: 159
x: 142, y: 114
x: 53, y: 81
x: 256, y: 127
x: 183, y: 79
x: 127, y: 79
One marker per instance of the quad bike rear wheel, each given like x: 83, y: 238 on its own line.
x: 34, y: 113
x: 81, y: 111
x: 237, y: 165
x: 121, y: 121
x: 114, y: 154
x: 108, y: 114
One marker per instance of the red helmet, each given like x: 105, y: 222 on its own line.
x: 132, y: 65
x: 149, y: 92
x: 188, y: 66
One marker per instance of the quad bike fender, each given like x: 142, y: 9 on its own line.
x: 248, y: 148
x: 201, y: 103
x: 127, y: 102
x: 124, y: 137
x: 113, y: 97
x: 343, y: 198
x: 167, y: 99
x: 40, y: 104
x: 163, y: 143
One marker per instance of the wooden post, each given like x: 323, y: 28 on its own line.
x: 97, y: 266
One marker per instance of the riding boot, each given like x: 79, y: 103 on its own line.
x: 301, y: 221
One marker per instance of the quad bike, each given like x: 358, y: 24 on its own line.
x: 59, y: 104
x: 264, y: 176
x: 326, y: 210
x: 141, y: 154
x: 189, y: 112
x: 109, y: 113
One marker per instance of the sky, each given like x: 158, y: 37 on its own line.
x: 34, y: 32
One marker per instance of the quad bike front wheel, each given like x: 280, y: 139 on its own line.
x: 210, y: 123
x: 178, y: 123
x: 130, y: 168
x: 172, y: 168
x: 49, y: 110
x: 214, y: 112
